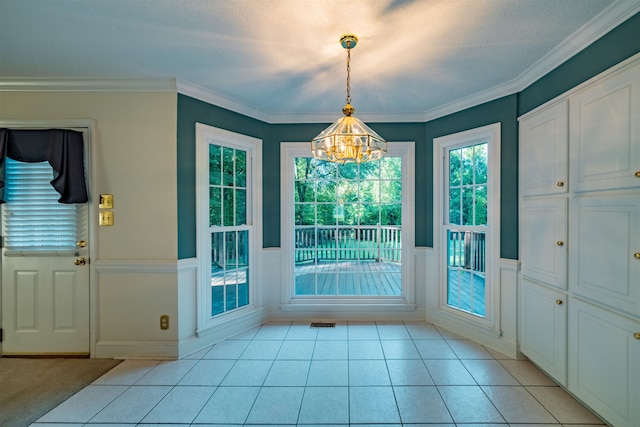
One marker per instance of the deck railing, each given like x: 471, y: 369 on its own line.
x: 467, y: 250
x: 317, y: 243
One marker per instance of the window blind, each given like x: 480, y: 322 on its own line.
x: 33, y: 220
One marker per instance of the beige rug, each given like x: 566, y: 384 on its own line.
x: 29, y: 388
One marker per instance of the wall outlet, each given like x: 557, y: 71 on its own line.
x: 164, y: 322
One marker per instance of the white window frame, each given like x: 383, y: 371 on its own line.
x: 206, y: 135
x: 289, y: 301
x: 490, y: 134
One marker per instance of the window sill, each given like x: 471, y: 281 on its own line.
x: 347, y: 305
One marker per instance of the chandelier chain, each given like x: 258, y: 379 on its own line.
x: 348, y: 71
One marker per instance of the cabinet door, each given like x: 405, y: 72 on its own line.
x: 604, y: 241
x: 543, y: 328
x: 603, y: 363
x: 543, y: 236
x: 605, y: 133
x: 543, y: 151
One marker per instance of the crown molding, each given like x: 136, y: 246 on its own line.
x: 371, y: 117
x: 597, y: 27
x: 211, y: 97
x: 38, y: 84
x: 604, y: 22
x: 477, y: 98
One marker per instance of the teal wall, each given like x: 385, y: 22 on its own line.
x: 618, y: 45
x: 190, y: 111
x: 504, y: 111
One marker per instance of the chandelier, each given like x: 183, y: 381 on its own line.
x: 348, y: 139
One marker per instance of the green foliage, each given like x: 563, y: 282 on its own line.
x: 468, y: 185
x: 348, y: 194
x: 227, y: 186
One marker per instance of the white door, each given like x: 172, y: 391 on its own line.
x: 45, y: 272
x: 543, y: 231
x: 544, y: 151
x: 543, y: 328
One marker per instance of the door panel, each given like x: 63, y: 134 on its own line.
x: 45, y: 287
x: 543, y: 328
x: 604, y: 238
x: 604, y: 133
x: 544, y: 151
x: 45, y: 306
x: 544, y: 234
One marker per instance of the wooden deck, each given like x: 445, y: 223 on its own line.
x: 467, y: 291
x: 349, y: 278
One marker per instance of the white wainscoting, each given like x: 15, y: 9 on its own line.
x: 130, y: 297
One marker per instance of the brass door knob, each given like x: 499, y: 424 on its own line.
x: 80, y: 261
x: 559, y: 302
x: 560, y: 184
x: 636, y: 255
x: 638, y: 174
x: 81, y: 244
x: 637, y: 335
x: 560, y: 243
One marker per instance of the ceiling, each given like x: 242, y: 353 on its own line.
x: 280, y: 60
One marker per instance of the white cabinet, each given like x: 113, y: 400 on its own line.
x: 605, y: 133
x: 580, y: 242
x: 605, y: 244
x: 543, y: 231
x: 544, y: 151
x: 543, y: 328
x: 604, y: 362
x: 543, y: 211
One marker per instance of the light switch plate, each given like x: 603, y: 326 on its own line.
x: 106, y: 218
x: 106, y: 201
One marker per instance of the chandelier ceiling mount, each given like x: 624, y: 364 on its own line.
x: 348, y: 139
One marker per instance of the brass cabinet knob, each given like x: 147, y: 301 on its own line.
x: 637, y: 335
x: 560, y: 243
x: 638, y: 174
x: 559, y: 301
x: 560, y: 184
x: 80, y: 261
x: 636, y: 255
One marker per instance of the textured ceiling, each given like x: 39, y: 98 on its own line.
x: 281, y: 59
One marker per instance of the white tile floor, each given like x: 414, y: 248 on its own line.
x: 355, y: 373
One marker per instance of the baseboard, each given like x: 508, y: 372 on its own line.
x: 165, y: 350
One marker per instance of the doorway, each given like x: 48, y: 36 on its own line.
x: 45, y: 291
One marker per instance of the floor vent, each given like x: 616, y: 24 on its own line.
x: 323, y: 324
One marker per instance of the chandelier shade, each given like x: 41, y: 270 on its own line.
x: 348, y: 139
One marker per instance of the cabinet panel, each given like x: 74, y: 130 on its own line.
x: 604, y: 240
x: 543, y: 328
x: 543, y: 233
x: 544, y: 151
x: 605, y: 133
x: 603, y: 363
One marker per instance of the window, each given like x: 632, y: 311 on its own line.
x: 467, y: 166
x: 347, y: 229
x: 29, y: 226
x: 227, y: 234
x: 348, y: 223
x: 466, y: 227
